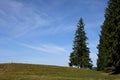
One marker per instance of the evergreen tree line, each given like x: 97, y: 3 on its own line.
x: 109, y: 43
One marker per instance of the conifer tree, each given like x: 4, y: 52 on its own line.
x: 80, y: 54
x: 109, y: 44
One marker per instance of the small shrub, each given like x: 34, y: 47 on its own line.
x: 109, y: 69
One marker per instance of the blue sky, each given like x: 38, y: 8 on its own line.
x: 42, y: 31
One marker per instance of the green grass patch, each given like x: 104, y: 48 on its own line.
x: 45, y: 72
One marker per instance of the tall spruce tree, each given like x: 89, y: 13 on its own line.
x: 80, y: 54
x: 109, y: 44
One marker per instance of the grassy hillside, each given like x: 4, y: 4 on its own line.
x: 44, y: 72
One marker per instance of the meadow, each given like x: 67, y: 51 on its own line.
x: 17, y: 71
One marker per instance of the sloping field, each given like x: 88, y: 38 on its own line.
x: 15, y: 71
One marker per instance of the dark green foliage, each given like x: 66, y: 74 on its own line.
x: 80, y: 55
x: 109, y: 44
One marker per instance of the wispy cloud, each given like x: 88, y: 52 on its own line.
x: 21, y: 19
x: 46, y: 48
x: 94, y: 57
x: 24, y: 19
